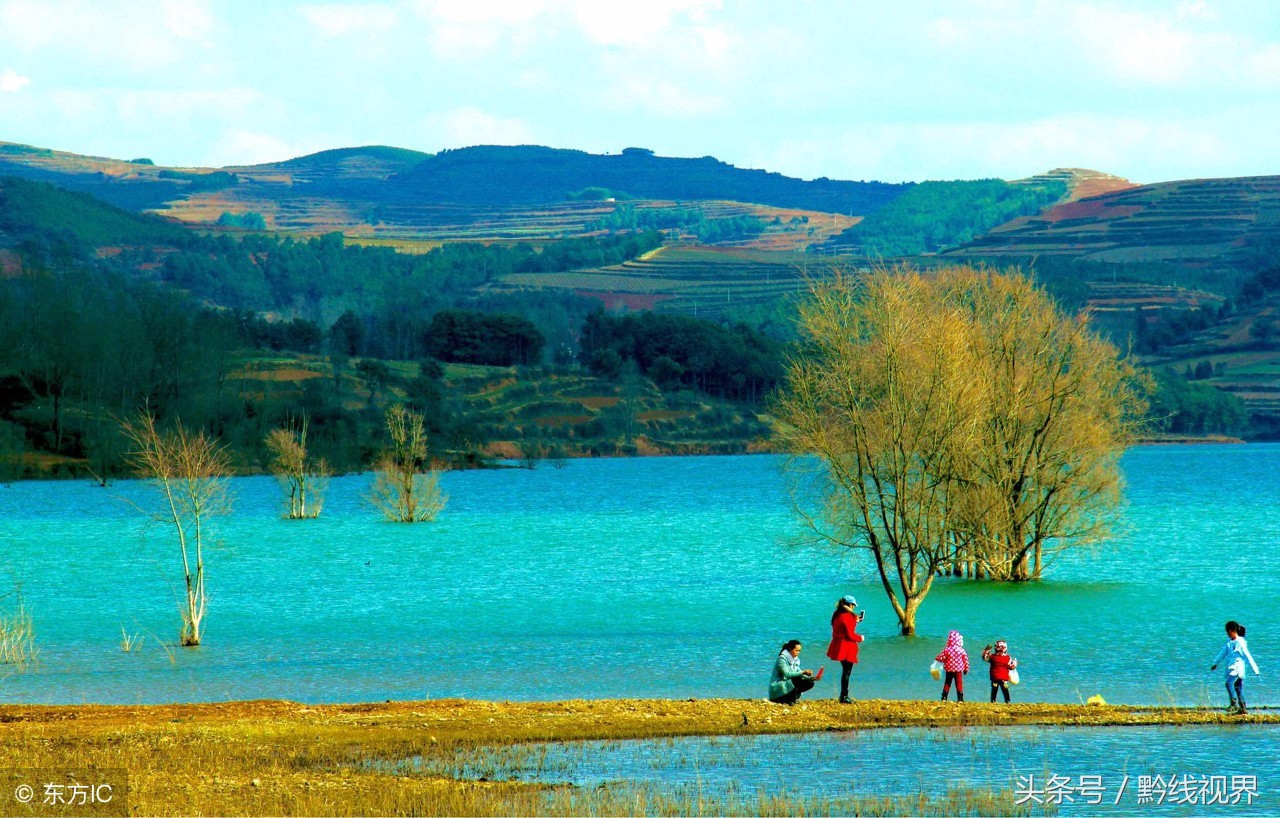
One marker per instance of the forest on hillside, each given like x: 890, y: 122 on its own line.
x: 934, y: 215
x: 106, y: 312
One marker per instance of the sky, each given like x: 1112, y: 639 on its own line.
x: 852, y: 89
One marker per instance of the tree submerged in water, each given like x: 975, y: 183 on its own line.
x: 303, y: 480
x: 189, y: 471
x: 962, y: 425
x: 406, y: 486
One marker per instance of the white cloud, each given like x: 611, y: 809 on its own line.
x: 467, y: 126
x: 660, y: 97
x: 635, y: 22
x: 467, y: 28
x: 185, y: 104
x: 482, y: 12
x: 107, y: 37
x: 1262, y: 66
x: 188, y: 19
x: 1197, y: 10
x: 11, y: 81
x: 464, y: 42
x: 335, y: 20
x: 1147, y: 150
x: 1137, y: 47
x: 237, y: 146
x: 27, y: 24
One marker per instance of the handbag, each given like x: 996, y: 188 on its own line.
x: 1013, y: 677
x: 935, y: 669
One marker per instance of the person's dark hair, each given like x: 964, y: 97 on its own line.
x: 841, y: 605
x: 1233, y: 625
x: 1240, y: 629
x: 791, y: 643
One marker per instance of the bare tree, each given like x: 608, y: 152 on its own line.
x: 189, y: 471
x: 883, y: 395
x: 1061, y: 407
x: 533, y: 449
x: 303, y: 480
x: 406, y: 487
x: 961, y: 422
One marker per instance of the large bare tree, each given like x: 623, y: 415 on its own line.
x: 1061, y: 407
x: 189, y: 470
x: 957, y: 418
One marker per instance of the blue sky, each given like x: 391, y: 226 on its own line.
x: 851, y: 90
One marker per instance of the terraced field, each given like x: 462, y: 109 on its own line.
x: 1207, y: 228
x: 398, y: 219
x: 705, y: 281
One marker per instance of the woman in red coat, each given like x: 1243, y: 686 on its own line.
x: 844, y: 641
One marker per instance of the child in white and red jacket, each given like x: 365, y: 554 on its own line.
x: 1001, y: 663
x: 956, y: 663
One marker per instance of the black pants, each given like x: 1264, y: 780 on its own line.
x: 1000, y: 684
x: 802, y: 684
x: 958, y: 678
x: 846, y: 668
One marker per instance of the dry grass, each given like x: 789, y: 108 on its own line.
x: 282, y: 758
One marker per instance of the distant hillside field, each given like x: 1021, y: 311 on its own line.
x: 703, y: 281
x: 1209, y: 232
x: 514, y: 193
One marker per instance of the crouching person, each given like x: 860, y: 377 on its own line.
x: 789, y: 682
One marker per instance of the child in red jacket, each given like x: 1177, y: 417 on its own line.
x: 1001, y: 663
x: 956, y: 663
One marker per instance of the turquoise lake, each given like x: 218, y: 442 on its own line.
x: 654, y: 577
x: 1225, y: 770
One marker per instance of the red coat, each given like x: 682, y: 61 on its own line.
x: 1001, y: 664
x: 844, y: 638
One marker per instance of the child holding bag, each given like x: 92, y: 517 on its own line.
x: 1002, y: 665
x: 956, y: 663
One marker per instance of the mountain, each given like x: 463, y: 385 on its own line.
x: 487, y: 192
x: 534, y: 175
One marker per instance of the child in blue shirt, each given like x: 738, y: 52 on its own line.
x: 1234, y: 654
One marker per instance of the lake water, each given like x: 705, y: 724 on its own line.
x: 1227, y: 770
x: 658, y: 577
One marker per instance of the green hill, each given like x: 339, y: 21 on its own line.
x: 36, y: 211
x: 935, y: 215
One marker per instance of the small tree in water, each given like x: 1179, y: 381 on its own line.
x: 303, y: 480
x: 189, y: 471
x: 406, y: 488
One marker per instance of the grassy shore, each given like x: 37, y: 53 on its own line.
x: 283, y: 758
